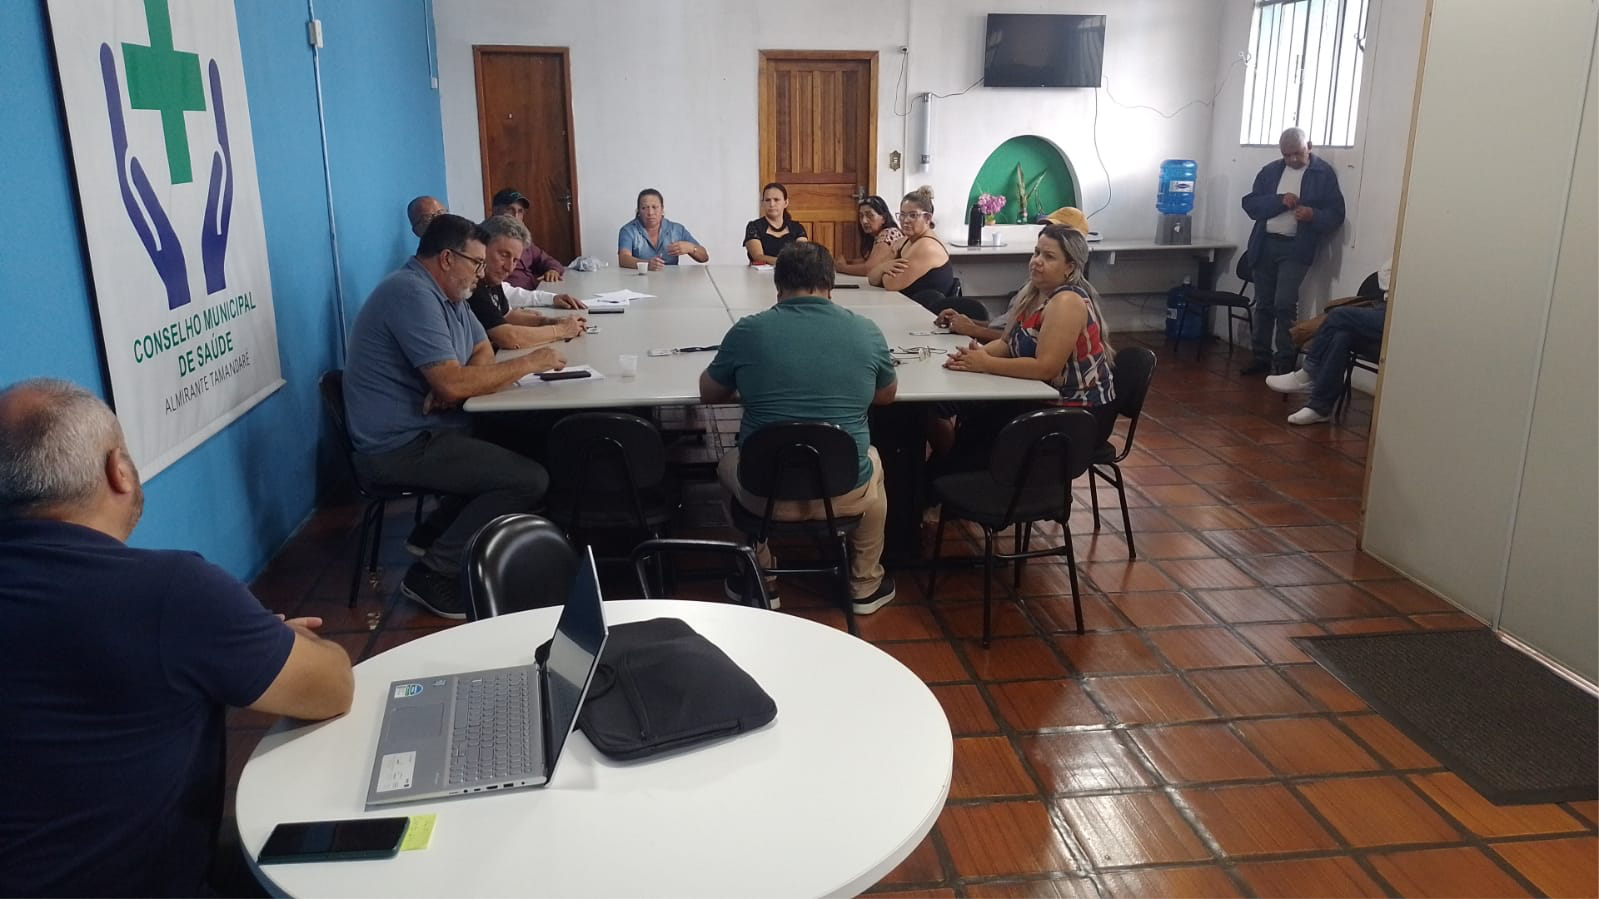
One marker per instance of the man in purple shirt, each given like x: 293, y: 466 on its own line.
x: 535, y: 264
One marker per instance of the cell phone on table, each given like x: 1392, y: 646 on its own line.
x: 566, y: 375
x: 333, y: 841
x: 604, y: 310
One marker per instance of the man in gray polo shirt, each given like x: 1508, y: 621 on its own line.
x: 416, y: 353
x: 806, y: 359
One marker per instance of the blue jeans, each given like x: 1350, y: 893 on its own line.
x: 1328, y: 355
x: 1277, y: 280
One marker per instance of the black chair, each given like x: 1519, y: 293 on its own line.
x: 804, y: 461
x: 1238, y: 306
x: 1134, y: 370
x: 1029, y: 478
x: 377, y: 496
x: 651, y: 550
x: 608, y: 471
x: 1363, y: 354
x: 517, y: 562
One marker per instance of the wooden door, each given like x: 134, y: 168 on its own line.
x: 524, y: 114
x: 818, y: 120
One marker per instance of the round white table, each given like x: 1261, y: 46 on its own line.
x: 824, y: 801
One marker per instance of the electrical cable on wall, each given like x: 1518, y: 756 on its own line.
x: 1105, y: 85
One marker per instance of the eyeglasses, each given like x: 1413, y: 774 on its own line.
x: 472, y: 259
x: 911, y: 216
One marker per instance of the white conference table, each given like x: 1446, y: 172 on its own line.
x: 683, y: 286
x: 681, y: 316
x: 824, y: 801
x: 748, y: 289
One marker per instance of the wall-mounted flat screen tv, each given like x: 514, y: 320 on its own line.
x: 1029, y: 50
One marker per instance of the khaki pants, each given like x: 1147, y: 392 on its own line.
x: 866, y: 541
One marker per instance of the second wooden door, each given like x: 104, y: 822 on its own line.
x: 818, y: 121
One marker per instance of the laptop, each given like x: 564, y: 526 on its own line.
x: 491, y: 730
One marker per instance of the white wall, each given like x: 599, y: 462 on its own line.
x: 1370, y: 173
x: 664, y: 95
x: 1474, y: 454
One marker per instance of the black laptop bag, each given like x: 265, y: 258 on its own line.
x: 662, y: 687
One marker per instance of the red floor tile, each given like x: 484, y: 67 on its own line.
x: 1199, y: 753
x: 1041, y: 704
x: 1149, y: 699
x: 1132, y: 829
x: 1084, y: 761
x: 1117, y: 653
x: 1257, y: 820
x: 1445, y: 874
x: 1153, y: 610
x: 1002, y: 838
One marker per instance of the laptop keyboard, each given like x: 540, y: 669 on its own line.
x: 491, y: 727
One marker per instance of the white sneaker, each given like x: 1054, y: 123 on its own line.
x: 1297, y: 381
x: 1307, y: 416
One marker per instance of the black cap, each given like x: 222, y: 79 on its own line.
x: 508, y: 196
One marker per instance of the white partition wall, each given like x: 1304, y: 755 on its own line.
x: 1551, y: 601
x: 1481, y: 482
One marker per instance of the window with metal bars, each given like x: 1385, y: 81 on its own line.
x: 1304, y: 70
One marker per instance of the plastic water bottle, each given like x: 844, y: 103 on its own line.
x: 1176, y: 195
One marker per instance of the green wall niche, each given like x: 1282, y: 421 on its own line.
x: 1036, y: 156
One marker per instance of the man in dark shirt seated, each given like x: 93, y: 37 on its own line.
x: 533, y: 265
x: 416, y: 354
x: 494, y: 301
x: 806, y: 359
x: 120, y: 663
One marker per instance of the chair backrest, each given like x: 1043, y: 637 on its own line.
x: 607, y: 451
x: 802, y: 460
x: 1133, y: 369
x: 517, y: 562
x: 1244, y: 271
x: 1371, y: 288
x: 1043, y: 452
x: 331, y: 387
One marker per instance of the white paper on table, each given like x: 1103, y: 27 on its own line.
x: 617, y: 298
x: 534, y: 380
x: 761, y: 267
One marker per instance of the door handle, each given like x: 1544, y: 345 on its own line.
x: 566, y: 200
x: 859, y: 195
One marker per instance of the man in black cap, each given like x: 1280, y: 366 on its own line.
x: 535, y: 264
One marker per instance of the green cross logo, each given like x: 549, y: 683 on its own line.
x: 168, y: 81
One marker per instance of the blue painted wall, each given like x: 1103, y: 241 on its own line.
x: 239, y: 496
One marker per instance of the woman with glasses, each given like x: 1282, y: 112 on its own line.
x: 765, y: 237
x: 878, y: 237
x: 920, y: 267
x: 1056, y: 335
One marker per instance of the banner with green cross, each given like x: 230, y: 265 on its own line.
x: 164, y: 158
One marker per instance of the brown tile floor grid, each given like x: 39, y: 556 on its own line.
x: 1183, y: 746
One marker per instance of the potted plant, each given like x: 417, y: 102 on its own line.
x: 990, y: 205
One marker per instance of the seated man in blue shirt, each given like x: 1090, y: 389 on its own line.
x: 806, y: 359
x: 120, y: 664
x: 653, y: 238
x: 416, y: 354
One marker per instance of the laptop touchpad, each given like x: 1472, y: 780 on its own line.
x: 416, y: 722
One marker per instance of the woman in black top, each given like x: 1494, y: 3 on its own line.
x: 765, y: 237
x: 920, y: 267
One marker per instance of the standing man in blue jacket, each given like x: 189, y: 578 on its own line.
x: 1295, y: 203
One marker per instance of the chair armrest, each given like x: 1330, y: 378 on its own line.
x: 742, y: 553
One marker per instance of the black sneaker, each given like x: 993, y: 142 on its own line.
x: 734, y: 586
x: 882, y: 596
x: 436, y: 592
x: 1256, y: 368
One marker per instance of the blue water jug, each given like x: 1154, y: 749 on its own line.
x: 1177, y: 179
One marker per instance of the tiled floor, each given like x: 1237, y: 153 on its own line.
x: 1184, y: 746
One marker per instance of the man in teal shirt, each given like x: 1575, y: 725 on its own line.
x: 806, y: 359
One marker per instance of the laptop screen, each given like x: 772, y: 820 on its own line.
x: 574, y: 655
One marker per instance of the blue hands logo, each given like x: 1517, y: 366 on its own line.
x: 164, y: 80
